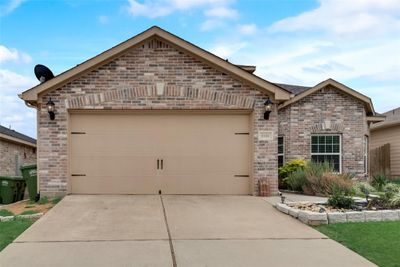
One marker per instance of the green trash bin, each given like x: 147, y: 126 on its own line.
x: 9, y: 186
x: 29, y: 173
x: 21, y: 189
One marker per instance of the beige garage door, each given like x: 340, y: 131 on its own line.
x: 143, y: 153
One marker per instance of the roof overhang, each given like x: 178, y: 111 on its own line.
x: 383, y: 125
x: 16, y: 140
x: 31, y: 96
x: 330, y: 82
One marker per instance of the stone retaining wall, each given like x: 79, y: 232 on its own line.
x: 318, y: 218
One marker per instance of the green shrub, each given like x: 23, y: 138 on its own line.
x: 339, y: 199
x: 390, y: 187
x: 360, y: 188
x: 56, y: 200
x: 319, y: 179
x: 29, y: 212
x: 287, y: 169
x: 4, y: 212
x: 43, y: 200
x: 327, y: 182
x: 379, y: 181
x: 297, y: 180
x: 395, y: 200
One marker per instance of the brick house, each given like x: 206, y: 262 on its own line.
x: 157, y: 114
x: 16, y: 149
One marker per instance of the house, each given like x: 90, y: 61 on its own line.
x: 388, y: 132
x: 16, y: 149
x: 157, y: 114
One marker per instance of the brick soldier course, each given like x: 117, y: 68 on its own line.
x: 161, y: 73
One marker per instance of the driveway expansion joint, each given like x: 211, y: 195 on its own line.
x: 171, y: 245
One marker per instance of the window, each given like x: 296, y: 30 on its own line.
x: 366, y: 154
x: 281, y: 151
x: 327, y: 148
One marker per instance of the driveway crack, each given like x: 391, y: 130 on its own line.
x: 171, y: 245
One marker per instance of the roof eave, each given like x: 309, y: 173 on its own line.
x: 367, y: 101
x: 16, y: 140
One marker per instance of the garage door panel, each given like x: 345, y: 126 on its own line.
x: 188, y: 165
x: 201, y: 153
x: 115, y: 185
x: 124, y: 144
x: 121, y: 165
x: 205, y: 184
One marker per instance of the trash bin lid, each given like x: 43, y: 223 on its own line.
x: 13, y: 178
x: 32, y: 166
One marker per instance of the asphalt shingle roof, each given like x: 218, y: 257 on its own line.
x: 17, y: 135
x: 294, y: 89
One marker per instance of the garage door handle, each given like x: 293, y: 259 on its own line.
x: 162, y: 164
x: 158, y: 164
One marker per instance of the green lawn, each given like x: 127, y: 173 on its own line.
x: 11, y: 230
x: 377, y: 241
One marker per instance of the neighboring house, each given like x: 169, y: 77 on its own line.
x: 157, y: 114
x: 16, y: 149
x: 388, y: 132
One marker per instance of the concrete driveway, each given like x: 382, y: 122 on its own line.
x: 172, y: 231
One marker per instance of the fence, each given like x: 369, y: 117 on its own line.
x: 380, y: 160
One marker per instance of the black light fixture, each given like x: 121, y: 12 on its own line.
x: 51, y: 109
x: 268, y: 108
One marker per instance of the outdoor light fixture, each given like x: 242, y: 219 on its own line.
x: 282, y: 197
x: 51, y: 109
x: 367, y: 195
x: 268, y: 108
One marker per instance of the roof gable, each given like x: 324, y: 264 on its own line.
x: 366, y: 100
x: 31, y: 96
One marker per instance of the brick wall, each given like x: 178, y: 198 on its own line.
x: 154, y: 75
x: 346, y: 116
x: 8, y: 153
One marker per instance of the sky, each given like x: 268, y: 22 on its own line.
x: 300, y: 42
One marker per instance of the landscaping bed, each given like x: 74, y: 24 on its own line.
x: 349, y: 198
x: 27, y: 208
x: 318, y: 213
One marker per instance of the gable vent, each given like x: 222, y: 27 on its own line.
x: 154, y: 44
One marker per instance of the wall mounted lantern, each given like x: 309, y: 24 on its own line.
x: 51, y: 109
x: 268, y: 108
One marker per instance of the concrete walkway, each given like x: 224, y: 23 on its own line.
x: 290, y: 197
x: 172, y: 231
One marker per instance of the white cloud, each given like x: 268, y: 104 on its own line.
x: 226, y: 50
x: 355, y: 42
x: 103, y: 19
x: 211, y: 24
x: 160, y: 8
x: 221, y: 12
x: 346, y: 18
x: 13, y: 55
x: 247, y: 29
x: 9, y: 6
x: 13, y: 111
